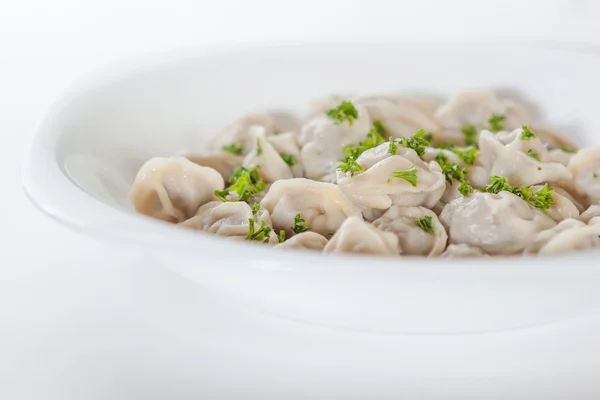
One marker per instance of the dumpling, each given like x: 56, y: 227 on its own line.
x: 237, y: 132
x: 357, y: 236
x: 568, y: 235
x: 304, y: 240
x: 287, y: 146
x: 507, y: 155
x: 592, y: 212
x: 172, y: 189
x: 262, y: 153
x: 462, y: 251
x: 500, y: 223
x: 559, y: 156
x: 231, y: 218
x: 585, y: 167
x: 475, y: 108
x: 413, y: 239
x: 322, y: 205
x: 323, y: 142
x: 224, y: 163
x: 377, y: 187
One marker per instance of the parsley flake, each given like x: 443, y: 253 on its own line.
x: 263, y: 232
x: 425, y: 223
x: 349, y: 164
x: 470, y: 132
x: 568, y: 150
x: 246, y: 182
x: 527, y: 134
x: 299, y: 224
x: 393, y: 147
x: 409, y: 175
x: 233, y: 149
x: 533, y: 154
x: 378, y: 125
x: 542, y: 199
x: 259, y: 150
x: 289, y: 159
x: 281, y: 236
x: 496, y: 122
x: 344, y: 112
x: 417, y: 142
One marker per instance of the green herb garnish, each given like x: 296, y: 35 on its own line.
x: 349, y: 164
x: 233, y: 149
x: 453, y: 171
x: 299, y: 224
x: 425, y: 223
x: 464, y: 188
x: 344, y: 112
x: 378, y: 125
x: 263, y: 232
x: 259, y: 150
x: 470, y: 132
x: 542, y: 199
x: 246, y: 182
x: 498, y: 184
x: 281, y: 236
x: 417, y: 142
x: 527, y: 134
x: 533, y: 154
x: 373, y: 139
x: 393, y: 147
x: 409, y: 175
x: 567, y: 150
x: 496, y: 122
x: 289, y: 159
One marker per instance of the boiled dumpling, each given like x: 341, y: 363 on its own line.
x: 500, y: 223
x: 287, y: 146
x: 476, y: 108
x: 172, y: 189
x: 568, y: 235
x: 305, y: 240
x: 230, y: 218
x: 262, y: 153
x: 322, y: 205
x: 378, y: 187
x: 224, y: 163
x: 357, y: 236
x: 237, y: 133
x: 585, y: 167
x: 462, y: 251
x: 323, y: 141
x: 522, y: 162
x: 592, y: 212
x: 429, y: 239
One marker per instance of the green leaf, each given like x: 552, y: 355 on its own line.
x: 299, y: 224
x: 246, y: 182
x: 233, y: 149
x: 542, y: 199
x: 496, y: 122
x: 262, y: 234
x: 533, y: 154
x: 393, y: 147
x: 425, y: 223
x: 527, y: 134
x: 417, y: 142
x: 470, y: 132
x: 259, y: 149
x: 498, y: 184
x: 281, y: 236
x: 289, y: 159
x: 344, y: 112
x: 409, y: 175
x: 349, y: 164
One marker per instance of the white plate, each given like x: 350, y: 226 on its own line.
x: 85, y: 156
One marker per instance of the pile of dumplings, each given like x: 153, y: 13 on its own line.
x: 474, y: 176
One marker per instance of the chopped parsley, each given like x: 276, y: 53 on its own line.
x: 428, y: 137
x: 542, y: 199
x: 349, y: 164
x: 393, y: 148
x: 281, y: 236
x: 468, y: 154
x: 299, y: 224
x: 453, y: 171
x: 233, y: 149
x: 289, y: 159
x: 344, y: 112
x: 373, y: 139
x: 470, y: 132
x: 496, y: 122
x: 425, y: 223
x: 263, y: 232
x: 595, y: 175
x: 417, y: 142
x: 409, y: 175
x: 527, y: 134
x: 246, y: 182
x: 568, y: 150
x: 378, y: 125
x: 259, y: 150
x: 533, y: 154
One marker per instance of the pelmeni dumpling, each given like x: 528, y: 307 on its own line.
x: 323, y: 141
x: 592, y: 212
x: 585, y: 167
x: 304, y: 240
x: 500, y: 223
x: 172, y: 189
x: 224, y: 163
x: 322, y: 205
x: 262, y: 153
x: 413, y: 239
x: 506, y: 154
x: 231, y: 218
x: 568, y: 235
x: 238, y: 131
x: 377, y: 187
x: 357, y: 236
x: 287, y: 146
x: 462, y: 251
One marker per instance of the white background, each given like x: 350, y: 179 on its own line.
x: 80, y: 321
